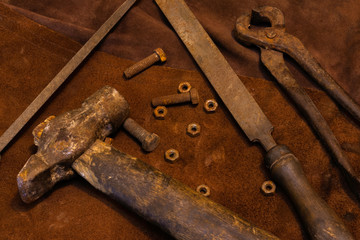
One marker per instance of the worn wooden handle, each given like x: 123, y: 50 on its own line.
x: 160, y: 199
x: 319, y: 219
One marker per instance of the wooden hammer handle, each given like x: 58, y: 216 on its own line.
x: 160, y: 199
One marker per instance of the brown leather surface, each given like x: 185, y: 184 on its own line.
x: 329, y: 29
x: 220, y: 157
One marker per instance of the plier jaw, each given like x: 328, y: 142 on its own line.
x: 273, y: 37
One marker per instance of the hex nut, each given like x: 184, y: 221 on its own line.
x: 268, y: 188
x: 210, y: 105
x: 160, y: 112
x: 193, y: 129
x: 184, y: 87
x: 171, y: 155
x: 204, y: 190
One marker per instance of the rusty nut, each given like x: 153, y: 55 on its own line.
x: 193, y: 129
x: 204, y: 190
x: 184, y: 87
x: 268, y: 188
x: 160, y: 112
x: 171, y: 155
x: 210, y: 105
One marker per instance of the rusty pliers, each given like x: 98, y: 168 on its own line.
x: 273, y: 41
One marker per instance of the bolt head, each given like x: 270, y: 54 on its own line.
x: 184, y: 87
x: 194, y: 96
x: 172, y: 155
x: 161, y: 54
x: 210, y: 105
x: 151, y: 142
x: 160, y: 112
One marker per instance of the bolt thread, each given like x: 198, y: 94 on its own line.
x: 141, y: 65
x: 135, y: 129
x: 171, y: 99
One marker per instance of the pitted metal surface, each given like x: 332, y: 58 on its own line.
x: 63, y: 139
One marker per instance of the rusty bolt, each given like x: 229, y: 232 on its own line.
x: 160, y: 112
x: 193, y: 129
x: 149, y: 141
x: 158, y: 55
x: 204, y: 190
x: 171, y: 155
x: 184, y: 87
x: 191, y: 96
x: 210, y: 105
x: 268, y: 188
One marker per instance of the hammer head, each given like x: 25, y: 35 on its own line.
x: 61, y: 140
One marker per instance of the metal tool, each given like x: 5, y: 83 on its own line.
x: 64, y: 138
x: 64, y: 73
x: 277, y: 39
x: 320, y: 221
x: 73, y: 142
x: 275, y: 63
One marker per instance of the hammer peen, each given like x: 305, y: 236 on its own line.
x: 73, y: 141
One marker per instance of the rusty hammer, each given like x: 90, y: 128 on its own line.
x: 72, y: 141
x: 62, y: 139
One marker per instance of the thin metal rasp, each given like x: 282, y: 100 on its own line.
x: 64, y: 73
x: 218, y: 71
